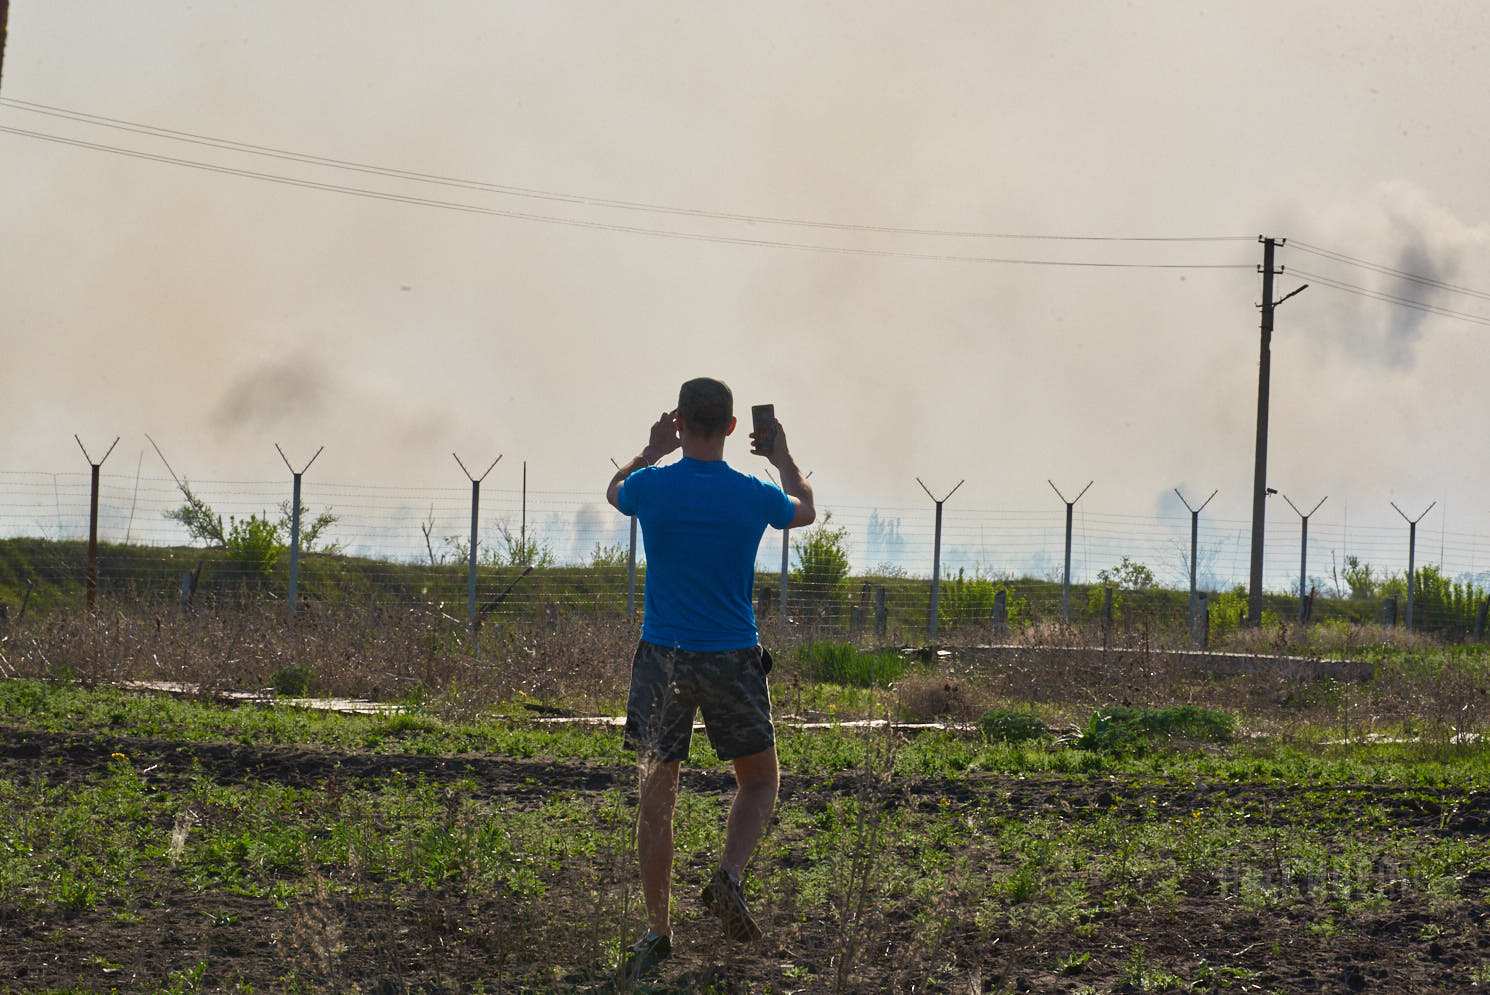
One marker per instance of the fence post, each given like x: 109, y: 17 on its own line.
x: 1106, y: 616
x: 631, y: 573
x: 1304, y: 555
x: 936, y: 557
x: 1194, y: 544
x: 786, y: 543
x: 1412, y: 548
x: 471, y: 558
x: 295, y: 476
x: 1000, y: 614
x: 1389, y: 612
x: 1066, y: 575
x: 91, y: 577
x: 1480, y: 619
x: 881, y: 613
x: 1200, y: 625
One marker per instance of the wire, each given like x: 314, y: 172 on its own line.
x: 1426, y: 281
x: 598, y: 225
x: 1408, y: 302
x: 568, y: 198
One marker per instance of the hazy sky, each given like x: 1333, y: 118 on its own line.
x: 222, y: 314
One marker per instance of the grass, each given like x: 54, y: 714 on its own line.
x: 848, y: 665
x: 1084, y: 862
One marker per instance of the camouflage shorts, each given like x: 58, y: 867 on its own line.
x: 669, y: 685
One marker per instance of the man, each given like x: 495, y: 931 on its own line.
x: 702, y: 522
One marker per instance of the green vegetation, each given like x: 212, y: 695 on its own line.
x: 1109, y: 869
x: 845, y: 663
x: 1006, y: 725
x: 1121, y: 728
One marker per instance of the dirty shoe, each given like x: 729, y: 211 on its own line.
x: 724, y: 897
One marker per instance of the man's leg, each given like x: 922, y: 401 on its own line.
x: 756, y: 779
x: 658, y: 788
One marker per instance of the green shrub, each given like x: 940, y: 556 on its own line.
x: 963, y: 599
x: 845, y: 663
x: 1008, y: 725
x: 253, y: 544
x: 1123, y: 728
x: 293, y: 681
x: 822, y: 562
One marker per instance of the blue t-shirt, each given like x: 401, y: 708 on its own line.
x: 701, y: 522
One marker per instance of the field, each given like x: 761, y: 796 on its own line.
x: 1222, y: 834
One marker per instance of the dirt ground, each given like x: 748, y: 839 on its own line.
x: 436, y: 943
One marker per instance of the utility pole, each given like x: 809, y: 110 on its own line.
x: 91, y: 577
x: 4, y: 17
x: 1264, y: 376
x: 471, y: 617
x: 1304, y: 554
x: 1066, y: 575
x: 296, y: 476
x: 1412, y: 549
x: 1194, y: 540
x: 936, y: 556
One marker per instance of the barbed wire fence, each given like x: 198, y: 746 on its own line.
x: 911, y: 572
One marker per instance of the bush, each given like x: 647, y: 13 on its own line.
x: 822, y: 562
x: 845, y: 663
x: 293, y: 681
x: 963, y: 599
x: 1122, y: 728
x: 1008, y: 725
x: 253, y: 544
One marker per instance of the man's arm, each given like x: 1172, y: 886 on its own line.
x: 662, y: 440
x: 796, y: 486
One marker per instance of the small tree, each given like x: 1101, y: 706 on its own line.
x: 200, y: 521
x: 822, y: 561
x: 312, y: 528
x: 253, y: 544
x: 1359, y: 577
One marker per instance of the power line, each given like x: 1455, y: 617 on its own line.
x: 587, y: 200
x: 1427, y: 281
x: 598, y: 225
x: 1407, y: 302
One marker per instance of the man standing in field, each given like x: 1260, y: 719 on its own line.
x: 702, y: 521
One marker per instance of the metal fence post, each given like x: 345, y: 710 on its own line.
x: 1000, y: 613
x: 1106, y: 615
x: 1304, y: 555
x: 881, y: 615
x: 1412, y: 548
x: 1480, y: 620
x: 91, y: 577
x: 1194, y: 544
x: 471, y: 557
x: 631, y: 573
x: 936, y: 556
x: 293, y: 597
x: 1066, y: 575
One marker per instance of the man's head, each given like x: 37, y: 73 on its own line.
x: 706, y: 409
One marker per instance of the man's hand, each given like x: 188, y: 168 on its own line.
x: 792, y: 481
x: 662, y: 440
x: 664, y: 437
x: 778, y: 453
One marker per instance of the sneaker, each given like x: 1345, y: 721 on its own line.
x: 724, y: 897
x: 645, y: 954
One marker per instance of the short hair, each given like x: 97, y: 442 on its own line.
x: 706, y: 405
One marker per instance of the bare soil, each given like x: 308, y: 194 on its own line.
x: 429, y: 942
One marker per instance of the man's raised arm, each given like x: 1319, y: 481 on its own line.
x: 662, y: 440
x: 796, y: 486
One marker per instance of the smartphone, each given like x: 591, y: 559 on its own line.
x: 763, y: 421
